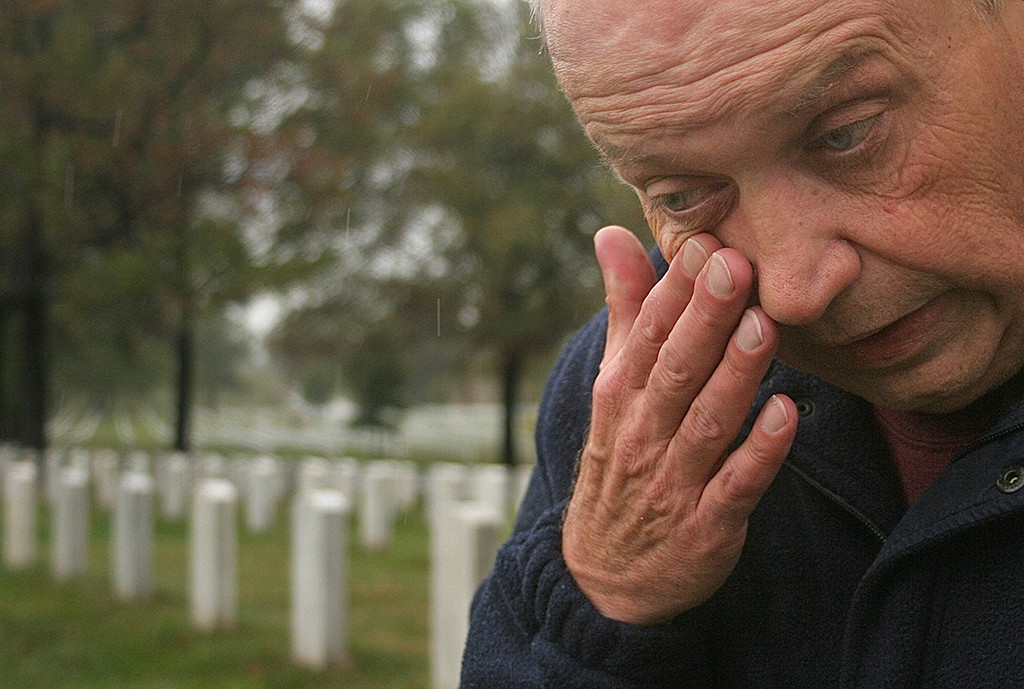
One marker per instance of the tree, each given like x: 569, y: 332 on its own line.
x: 357, y: 324
x: 128, y: 150
x: 512, y: 168
x: 478, y: 195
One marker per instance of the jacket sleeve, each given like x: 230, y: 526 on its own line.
x: 530, y: 625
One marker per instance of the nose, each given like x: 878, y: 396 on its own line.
x: 793, y: 232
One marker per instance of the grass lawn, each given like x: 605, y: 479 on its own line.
x: 77, y: 636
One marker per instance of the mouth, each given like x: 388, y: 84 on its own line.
x: 897, y: 341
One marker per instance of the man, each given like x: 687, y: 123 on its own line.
x: 838, y: 186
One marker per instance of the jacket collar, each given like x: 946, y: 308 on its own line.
x: 838, y: 448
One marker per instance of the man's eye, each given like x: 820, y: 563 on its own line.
x: 687, y: 199
x: 681, y: 201
x: 848, y: 136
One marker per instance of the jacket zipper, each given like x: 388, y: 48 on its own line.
x: 842, y: 503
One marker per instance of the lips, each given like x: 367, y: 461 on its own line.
x: 899, y: 341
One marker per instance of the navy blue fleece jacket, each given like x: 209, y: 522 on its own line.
x: 839, y: 584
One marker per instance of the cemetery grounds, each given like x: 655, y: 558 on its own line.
x: 77, y: 635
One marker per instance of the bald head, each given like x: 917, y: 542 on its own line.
x: 577, y: 31
x: 537, y: 8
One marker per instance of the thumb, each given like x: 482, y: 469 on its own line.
x: 628, y: 277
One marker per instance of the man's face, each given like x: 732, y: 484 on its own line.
x: 867, y: 156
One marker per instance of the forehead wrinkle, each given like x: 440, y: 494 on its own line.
x: 694, y: 82
x: 771, y: 98
x: 617, y: 64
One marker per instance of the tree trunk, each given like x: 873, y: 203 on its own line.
x: 511, y: 368
x: 186, y: 374
x: 34, y: 389
x: 35, y: 375
x: 5, y: 420
x: 8, y: 422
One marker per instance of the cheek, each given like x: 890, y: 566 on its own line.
x: 668, y: 242
x: 668, y: 238
x: 968, y: 229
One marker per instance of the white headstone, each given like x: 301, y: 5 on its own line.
x: 21, y: 507
x: 174, y: 486
x: 314, y: 474
x: 446, y: 481
x: 262, y: 495
x: 237, y: 471
x: 105, y: 472
x: 345, y: 478
x: 214, y: 555
x: 408, y: 476
x: 378, y: 506
x: 53, y: 459
x: 490, y: 486
x: 446, y: 486
x: 133, y: 537
x: 472, y: 532
x: 80, y: 458
x: 320, y: 579
x: 71, y: 525
x: 211, y: 465
x: 284, y: 479
x: 138, y: 462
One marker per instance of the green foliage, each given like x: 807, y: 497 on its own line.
x: 376, y: 372
x: 528, y: 193
x: 127, y: 178
x: 405, y: 172
x: 471, y: 227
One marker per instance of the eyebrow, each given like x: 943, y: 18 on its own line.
x: 614, y: 156
x: 829, y: 77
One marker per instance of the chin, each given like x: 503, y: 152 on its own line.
x: 941, y: 388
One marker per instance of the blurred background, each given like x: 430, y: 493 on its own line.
x: 352, y: 229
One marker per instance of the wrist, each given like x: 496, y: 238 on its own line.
x: 620, y: 590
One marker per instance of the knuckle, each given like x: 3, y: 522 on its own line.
x: 705, y: 422
x: 609, y: 397
x: 671, y: 373
x: 649, y: 327
x: 607, y: 385
x: 630, y: 449
x: 733, y: 486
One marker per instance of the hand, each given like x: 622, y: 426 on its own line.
x: 659, y: 512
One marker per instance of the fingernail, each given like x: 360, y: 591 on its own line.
x: 694, y: 258
x: 748, y: 334
x: 719, y: 277
x: 774, y: 417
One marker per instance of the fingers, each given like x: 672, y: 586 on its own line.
x: 733, y: 492
x: 697, y: 343
x: 658, y: 513
x: 718, y: 411
x: 638, y: 335
x: 628, y: 278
